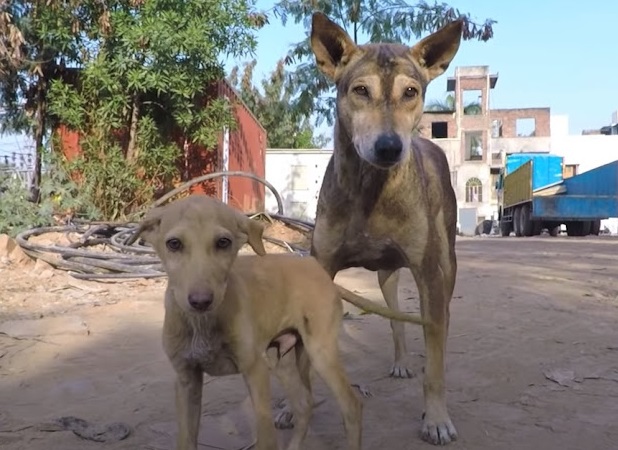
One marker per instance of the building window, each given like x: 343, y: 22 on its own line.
x: 439, y: 130
x: 525, y: 127
x: 299, y: 178
x: 474, y: 191
x: 473, y: 140
x: 472, y: 102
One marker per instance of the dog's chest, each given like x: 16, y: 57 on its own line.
x: 211, y: 353
x: 361, y: 249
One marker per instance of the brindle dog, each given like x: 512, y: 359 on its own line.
x: 387, y: 201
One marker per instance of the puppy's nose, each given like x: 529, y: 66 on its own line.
x: 201, y: 300
x: 388, y: 148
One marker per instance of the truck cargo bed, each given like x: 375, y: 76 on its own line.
x: 593, y: 194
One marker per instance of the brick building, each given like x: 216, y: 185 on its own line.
x: 476, y: 138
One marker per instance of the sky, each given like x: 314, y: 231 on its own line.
x: 547, y: 53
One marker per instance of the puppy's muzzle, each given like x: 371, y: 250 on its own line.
x: 201, y: 300
x: 388, y: 149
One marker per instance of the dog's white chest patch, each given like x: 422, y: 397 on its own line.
x: 208, y: 351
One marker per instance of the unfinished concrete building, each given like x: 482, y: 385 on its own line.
x: 475, y: 139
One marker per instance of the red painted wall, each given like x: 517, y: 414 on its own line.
x: 247, y: 146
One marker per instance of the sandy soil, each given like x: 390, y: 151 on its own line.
x: 532, y: 358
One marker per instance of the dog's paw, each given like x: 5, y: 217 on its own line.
x: 284, y: 420
x: 402, y: 368
x: 363, y: 390
x: 438, y: 432
x: 401, y: 371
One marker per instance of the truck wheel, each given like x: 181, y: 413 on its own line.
x: 517, y: 221
x: 505, y: 228
x: 575, y: 229
x: 554, y: 230
x: 586, y: 227
x: 595, y: 229
x: 526, y: 223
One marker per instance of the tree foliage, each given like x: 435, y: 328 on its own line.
x: 286, y: 128
x: 448, y: 105
x: 60, y: 197
x: 379, y: 20
x: 129, y: 75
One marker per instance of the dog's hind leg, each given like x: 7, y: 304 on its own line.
x: 434, y: 287
x: 389, y: 281
x: 324, y: 356
x: 258, y: 381
x: 293, y: 374
x: 189, y: 383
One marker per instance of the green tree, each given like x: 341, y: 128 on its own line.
x: 448, y: 105
x: 124, y: 73
x: 379, y: 20
x: 286, y: 128
x: 36, y: 38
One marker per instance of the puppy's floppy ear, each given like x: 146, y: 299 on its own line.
x: 331, y: 45
x: 148, y: 227
x: 254, y: 231
x: 435, y: 52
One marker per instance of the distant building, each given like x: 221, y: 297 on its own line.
x: 475, y: 139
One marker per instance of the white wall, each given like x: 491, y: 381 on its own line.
x: 297, y: 175
x: 590, y: 152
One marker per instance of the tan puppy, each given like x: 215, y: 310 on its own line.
x: 223, y: 311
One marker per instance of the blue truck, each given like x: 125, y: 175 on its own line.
x: 534, y: 195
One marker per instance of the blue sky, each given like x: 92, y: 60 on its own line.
x: 555, y: 53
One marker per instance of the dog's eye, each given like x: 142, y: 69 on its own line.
x: 173, y: 244
x: 361, y: 90
x: 411, y: 92
x: 223, y: 242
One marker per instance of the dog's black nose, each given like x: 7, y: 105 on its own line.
x: 388, y: 148
x: 201, y: 300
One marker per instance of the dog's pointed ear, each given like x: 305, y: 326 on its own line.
x: 254, y: 231
x: 147, y: 228
x: 435, y: 52
x: 330, y: 44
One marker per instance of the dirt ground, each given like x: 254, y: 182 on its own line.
x: 532, y: 357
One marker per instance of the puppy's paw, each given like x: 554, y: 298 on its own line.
x: 438, y: 432
x: 402, y: 368
x: 284, y: 420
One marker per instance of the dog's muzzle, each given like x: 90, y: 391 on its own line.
x: 201, y: 300
x: 387, y: 150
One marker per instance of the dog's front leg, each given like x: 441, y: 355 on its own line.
x: 189, y: 381
x: 431, y: 281
x: 258, y: 383
x: 389, y: 281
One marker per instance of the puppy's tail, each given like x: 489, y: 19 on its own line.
x: 374, y: 308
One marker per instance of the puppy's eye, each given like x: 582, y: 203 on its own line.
x: 173, y: 245
x: 361, y: 90
x: 410, y: 92
x: 223, y: 243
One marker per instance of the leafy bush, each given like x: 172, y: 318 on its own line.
x: 60, y: 196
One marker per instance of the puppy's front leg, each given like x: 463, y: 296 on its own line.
x: 189, y: 381
x: 258, y: 382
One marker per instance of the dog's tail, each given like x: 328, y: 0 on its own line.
x: 374, y: 308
